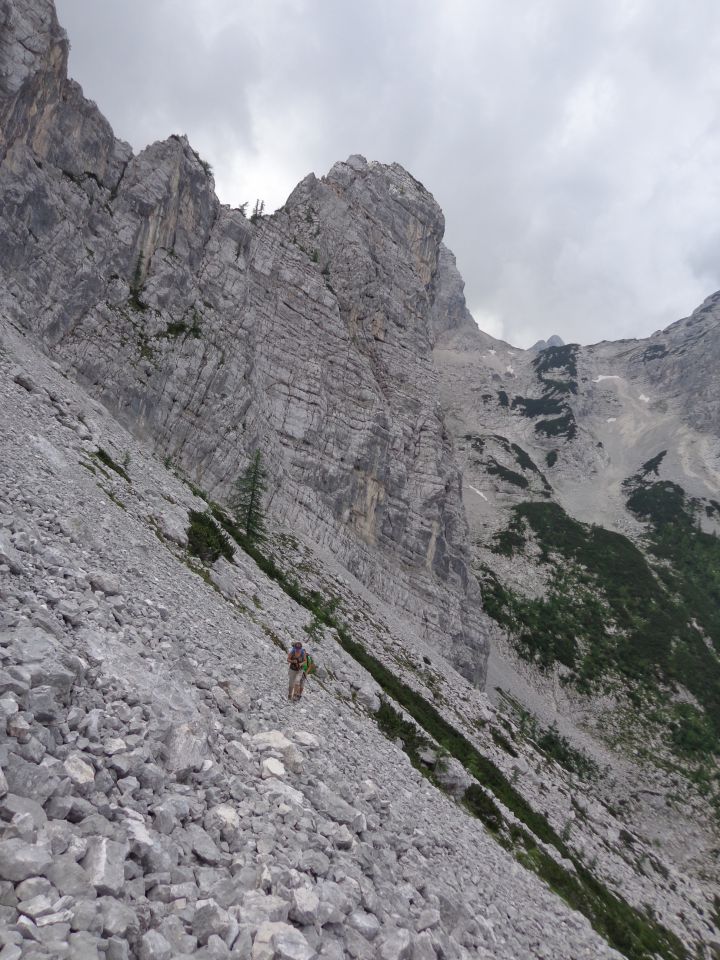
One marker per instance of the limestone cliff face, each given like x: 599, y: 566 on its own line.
x: 681, y: 364
x: 307, y: 334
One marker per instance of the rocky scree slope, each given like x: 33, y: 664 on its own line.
x: 305, y: 334
x: 159, y: 796
x: 592, y: 489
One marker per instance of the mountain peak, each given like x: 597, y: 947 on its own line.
x: 553, y: 341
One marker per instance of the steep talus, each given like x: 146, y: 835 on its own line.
x: 211, y: 335
x: 159, y: 797
x: 592, y: 490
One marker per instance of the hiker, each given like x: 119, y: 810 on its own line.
x: 297, y: 659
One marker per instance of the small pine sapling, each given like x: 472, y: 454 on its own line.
x: 247, y: 499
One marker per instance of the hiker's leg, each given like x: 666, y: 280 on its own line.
x: 292, y: 676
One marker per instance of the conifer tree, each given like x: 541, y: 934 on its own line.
x: 247, y: 497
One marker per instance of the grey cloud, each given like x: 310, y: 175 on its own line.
x: 573, y: 147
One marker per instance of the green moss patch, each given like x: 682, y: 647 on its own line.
x: 557, y: 358
x: 538, y: 406
x: 564, y: 426
x: 509, y: 476
x: 104, y: 457
x: 608, y: 612
x: 206, y: 540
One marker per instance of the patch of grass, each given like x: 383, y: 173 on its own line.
x: 608, y: 612
x: 564, y: 426
x: 513, y: 538
x: 196, y: 491
x: 395, y: 727
x: 654, y: 352
x: 176, y: 329
x: 554, y: 744
x: 547, y: 628
x: 509, y: 476
x: 111, y: 496
x: 691, y: 577
x: 559, y: 419
x: 477, y: 443
x: 493, y: 466
x: 636, y: 936
x: 692, y: 733
x: 538, y: 406
x: 104, y: 457
x: 288, y: 541
x: 273, y: 637
x: 660, y: 503
x: 206, y: 540
x: 502, y: 741
x: 481, y: 805
x: 136, y: 287
x: 523, y: 459
x: 146, y: 351
x: 651, y: 466
x: 180, y: 328
x: 557, y: 358
x: 561, y: 386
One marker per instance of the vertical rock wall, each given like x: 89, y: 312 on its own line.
x: 306, y: 335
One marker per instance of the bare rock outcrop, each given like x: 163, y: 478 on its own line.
x: 306, y: 334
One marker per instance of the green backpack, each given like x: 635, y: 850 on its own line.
x: 309, y: 666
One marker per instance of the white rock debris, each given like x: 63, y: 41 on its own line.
x: 161, y: 797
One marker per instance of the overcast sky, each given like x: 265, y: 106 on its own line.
x: 573, y: 146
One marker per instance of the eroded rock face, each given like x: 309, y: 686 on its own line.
x: 680, y: 365
x: 153, y: 806
x: 306, y: 334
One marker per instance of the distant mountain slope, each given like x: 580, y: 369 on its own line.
x: 553, y: 341
x: 592, y: 488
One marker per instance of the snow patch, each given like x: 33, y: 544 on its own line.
x: 492, y: 352
x: 644, y: 398
x: 606, y: 376
x: 475, y: 490
x: 611, y: 419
